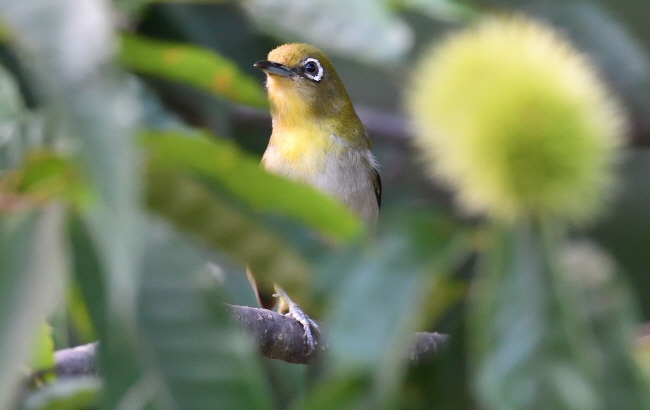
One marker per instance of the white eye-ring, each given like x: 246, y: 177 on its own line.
x: 312, y: 69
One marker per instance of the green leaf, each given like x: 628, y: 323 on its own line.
x: 42, y: 351
x: 46, y: 176
x: 239, y: 173
x: 204, y: 360
x: 378, y: 295
x: 80, y: 321
x: 118, y: 358
x: 606, y: 303
x: 642, y: 355
x: 31, y: 284
x: 67, y: 394
x: 191, y: 208
x: 445, y: 10
x: 343, y: 392
x: 92, y: 108
x: 5, y: 34
x: 192, y: 65
x: 365, y: 30
x: 13, y: 106
x: 13, y: 119
x: 89, y: 274
x: 539, y: 340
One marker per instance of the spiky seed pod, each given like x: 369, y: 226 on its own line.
x: 516, y: 120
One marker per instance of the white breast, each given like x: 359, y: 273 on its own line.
x: 346, y: 176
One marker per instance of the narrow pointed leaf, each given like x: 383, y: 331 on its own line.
x: 67, y: 48
x: 377, y: 305
x: 32, y: 263
x: 42, y: 351
x: 68, y: 394
x: 242, y: 176
x: 204, y: 359
x: 190, y: 207
x: 549, y: 335
x: 192, y: 65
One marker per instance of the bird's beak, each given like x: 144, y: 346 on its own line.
x: 271, y: 67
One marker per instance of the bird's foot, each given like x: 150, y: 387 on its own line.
x: 307, y: 323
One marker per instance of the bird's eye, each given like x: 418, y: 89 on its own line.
x: 312, y: 69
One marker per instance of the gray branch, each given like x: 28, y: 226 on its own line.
x: 278, y: 336
x: 76, y: 361
x: 281, y: 337
x: 393, y: 127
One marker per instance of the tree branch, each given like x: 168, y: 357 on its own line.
x: 281, y: 337
x: 76, y: 361
x: 278, y: 336
x: 393, y: 127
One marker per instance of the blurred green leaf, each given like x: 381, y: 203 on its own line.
x: 80, y: 320
x: 642, y: 355
x: 377, y: 301
x: 89, y: 274
x: 193, y: 65
x: 624, y: 232
x: 535, y: 339
x: 45, y: 176
x: 5, y: 35
x: 66, y: 394
x: 608, y: 306
x: 42, y: 351
x: 242, y: 176
x: 67, y: 48
x: 447, y: 10
x: 378, y: 304
x: 204, y: 359
x: 118, y: 359
x: 136, y: 7
x: 191, y: 208
x: 31, y: 284
x: 13, y: 119
x: 343, y: 392
x: 366, y: 30
x: 12, y: 109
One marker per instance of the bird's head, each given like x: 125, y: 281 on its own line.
x: 302, y: 81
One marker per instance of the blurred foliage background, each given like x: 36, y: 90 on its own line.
x: 130, y: 198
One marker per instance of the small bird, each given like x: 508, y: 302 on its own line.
x: 317, y: 139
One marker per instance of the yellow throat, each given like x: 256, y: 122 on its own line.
x: 313, y: 118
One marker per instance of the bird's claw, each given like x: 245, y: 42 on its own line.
x: 301, y: 317
x: 307, y: 324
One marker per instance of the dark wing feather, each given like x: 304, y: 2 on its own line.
x: 376, y: 182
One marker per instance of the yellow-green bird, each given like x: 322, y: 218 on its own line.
x: 317, y: 139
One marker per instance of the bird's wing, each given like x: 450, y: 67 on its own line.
x: 376, y: 182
